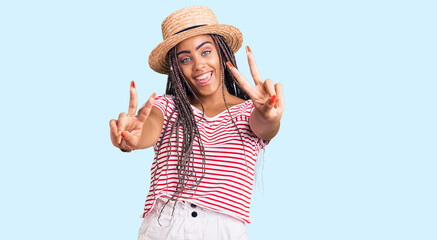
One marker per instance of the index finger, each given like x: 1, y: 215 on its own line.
x: 253, y: 67
x: 133, y: 100
x: 241, y: 79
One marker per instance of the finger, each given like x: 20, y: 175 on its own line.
x: 121, y: 124
x: 144, y: 112
x: 242, y: 81
x: 269, y: 87
x: 129, y: 141
x: 253, y: 67
x: 279, y: 99
x: 133, y: 100
x: 113, y: 127
x: 278, y: 89
x: 113, y: 131
x: 119, y: 138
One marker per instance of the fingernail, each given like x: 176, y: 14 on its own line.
x: 272, y: 100
x: 277, y: 103
x: 122, y: 134
x: 153, y: 95
x: 248, y: 49
x: 132, y: 84
x: 230, y: 66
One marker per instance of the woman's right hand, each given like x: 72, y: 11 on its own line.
x: 127, y: 129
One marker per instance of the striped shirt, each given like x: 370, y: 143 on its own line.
x: 229, y: 164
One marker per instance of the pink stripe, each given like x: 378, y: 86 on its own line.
x: 174, y: 180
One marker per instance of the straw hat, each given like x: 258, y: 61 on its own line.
x: 189, y: 22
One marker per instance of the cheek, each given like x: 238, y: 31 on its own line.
x: 185, y: 71
x: 217, y: 63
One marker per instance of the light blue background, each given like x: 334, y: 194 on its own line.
x: 355, y: 157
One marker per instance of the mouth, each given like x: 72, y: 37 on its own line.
x: 204, y: 79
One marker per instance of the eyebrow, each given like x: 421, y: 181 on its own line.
x: 197, y: 48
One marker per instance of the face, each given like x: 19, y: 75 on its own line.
x: 200, y: 64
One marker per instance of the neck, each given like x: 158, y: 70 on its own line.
x: 211, y: 101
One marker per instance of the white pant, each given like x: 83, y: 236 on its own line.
x: 189, y: 222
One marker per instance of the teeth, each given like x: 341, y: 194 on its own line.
x: 203, y: 76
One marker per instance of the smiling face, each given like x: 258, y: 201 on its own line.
x: 200, y: 64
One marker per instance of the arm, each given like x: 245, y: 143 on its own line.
x: 151, y: 129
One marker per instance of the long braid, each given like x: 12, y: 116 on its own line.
x: 229, y: 80
x: 185, y: 119
x: 225, y: 55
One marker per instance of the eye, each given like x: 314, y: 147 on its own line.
x: 206, y: 53
x: 185, y: 60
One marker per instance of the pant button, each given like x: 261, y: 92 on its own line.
x: 194, y: 214
x: 193, y: 205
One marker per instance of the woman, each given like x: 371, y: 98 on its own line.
x: 207, y: 130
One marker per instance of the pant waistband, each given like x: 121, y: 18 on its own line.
x: 182, y: 208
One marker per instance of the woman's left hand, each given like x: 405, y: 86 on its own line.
x: 266, y: 96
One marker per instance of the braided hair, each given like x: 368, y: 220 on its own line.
x: 178, y: 87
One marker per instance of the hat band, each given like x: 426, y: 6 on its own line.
x: 186, y: 29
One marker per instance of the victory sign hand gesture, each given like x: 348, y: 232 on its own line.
x: 127, y: 130
x: 266, y: 96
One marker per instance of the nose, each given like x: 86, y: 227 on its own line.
x: 199, y: 64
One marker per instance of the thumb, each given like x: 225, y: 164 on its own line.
x: 270, y: 103
x: 130, y: 141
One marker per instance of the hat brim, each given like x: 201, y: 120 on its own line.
x: 158, y: 56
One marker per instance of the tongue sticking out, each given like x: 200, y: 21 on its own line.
x: 204, y: 79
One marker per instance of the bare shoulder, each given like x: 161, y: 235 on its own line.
x: 234, y: 100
